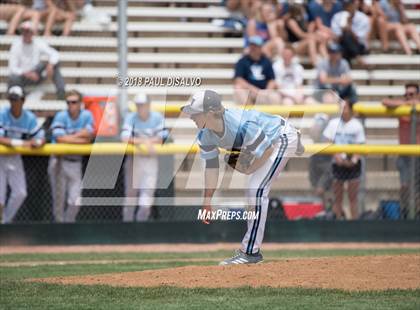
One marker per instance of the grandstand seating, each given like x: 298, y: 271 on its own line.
x: 177, y: 38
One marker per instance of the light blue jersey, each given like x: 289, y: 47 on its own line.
x: 243, y: 129
x: 63, y: 124
x: 138, y: 128
x: 25, y: 127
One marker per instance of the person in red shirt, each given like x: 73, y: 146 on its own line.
x: 411, y: 97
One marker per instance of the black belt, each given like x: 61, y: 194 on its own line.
x: 73, y: 160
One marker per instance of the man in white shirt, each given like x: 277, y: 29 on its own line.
x: 27, y: 65
x: 289, y: 77
x: 351, y: 29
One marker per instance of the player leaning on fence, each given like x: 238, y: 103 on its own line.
x: 141, y: 171
x: 264, y: 143
x: 18, y: 127
x: 74, y: 125
x: 411, y: 97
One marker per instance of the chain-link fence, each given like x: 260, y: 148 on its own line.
x: 312, y: 188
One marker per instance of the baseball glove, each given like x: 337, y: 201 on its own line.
x: 239, y: 161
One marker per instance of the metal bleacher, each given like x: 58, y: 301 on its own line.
x: 176, y: 38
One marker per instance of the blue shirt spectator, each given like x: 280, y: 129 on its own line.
x: 324, y: 11
x: 391, y: 12
x: 261, y: 31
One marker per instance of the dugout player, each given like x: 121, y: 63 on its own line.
x: 18, y: 127
x: 75, y: 126
x: 265, y: 143
x: 141, y: 171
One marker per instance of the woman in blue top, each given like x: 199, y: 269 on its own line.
x: 392, y: 19
x: 267, y: 27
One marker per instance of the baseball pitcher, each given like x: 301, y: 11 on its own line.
x: 18, y: 127
x: 262, y: 144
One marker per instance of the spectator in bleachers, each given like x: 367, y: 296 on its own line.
x: 12, y: 12
x: 289, y: 77
x: 392, y: 19
x: 351, y: 29
x: 64, y: 11
x: 41, y: 10
x: 321, y: 15
x: 346, y: 168
x: 18, y: 127
x: 141, y: 171
x: 370, y: 9
x: 334, y: 73
x: 254, y: 76
x: 75, y: 126
x: 26, y: 66
x: 298, y: 33
x: 266, y: 26
x: 411, y: 97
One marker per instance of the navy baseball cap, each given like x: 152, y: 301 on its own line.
x: 202, y: 102
x: 256, y: 40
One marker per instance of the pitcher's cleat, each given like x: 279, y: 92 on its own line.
x: 243, y: 258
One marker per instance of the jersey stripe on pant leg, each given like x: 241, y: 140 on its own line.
x: 257, y: 206
x: 260, y: 191
x: 262, y: 188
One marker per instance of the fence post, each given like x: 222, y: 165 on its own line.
x: 122, y: 55
x: 412, y: 198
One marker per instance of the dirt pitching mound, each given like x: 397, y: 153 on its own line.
x: 347, y: 273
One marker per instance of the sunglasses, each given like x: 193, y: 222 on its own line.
x: 14, y: 99
x: 410, y: 94
x: 72, y: 101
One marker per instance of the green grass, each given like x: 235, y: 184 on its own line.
x: 16, y: 294
x: 43, y: 296
x: 211, y: 255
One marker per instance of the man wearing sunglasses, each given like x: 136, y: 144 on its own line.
x: 26, y: 65
x: 73, y: 126
x: 411, y: 97
x: 18, y: 127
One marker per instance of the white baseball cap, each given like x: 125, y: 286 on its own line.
x: 15, y: 92
x: 203, y: 101
x: 141, y: 98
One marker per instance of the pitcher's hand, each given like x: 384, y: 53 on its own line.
x: 207, y: 210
